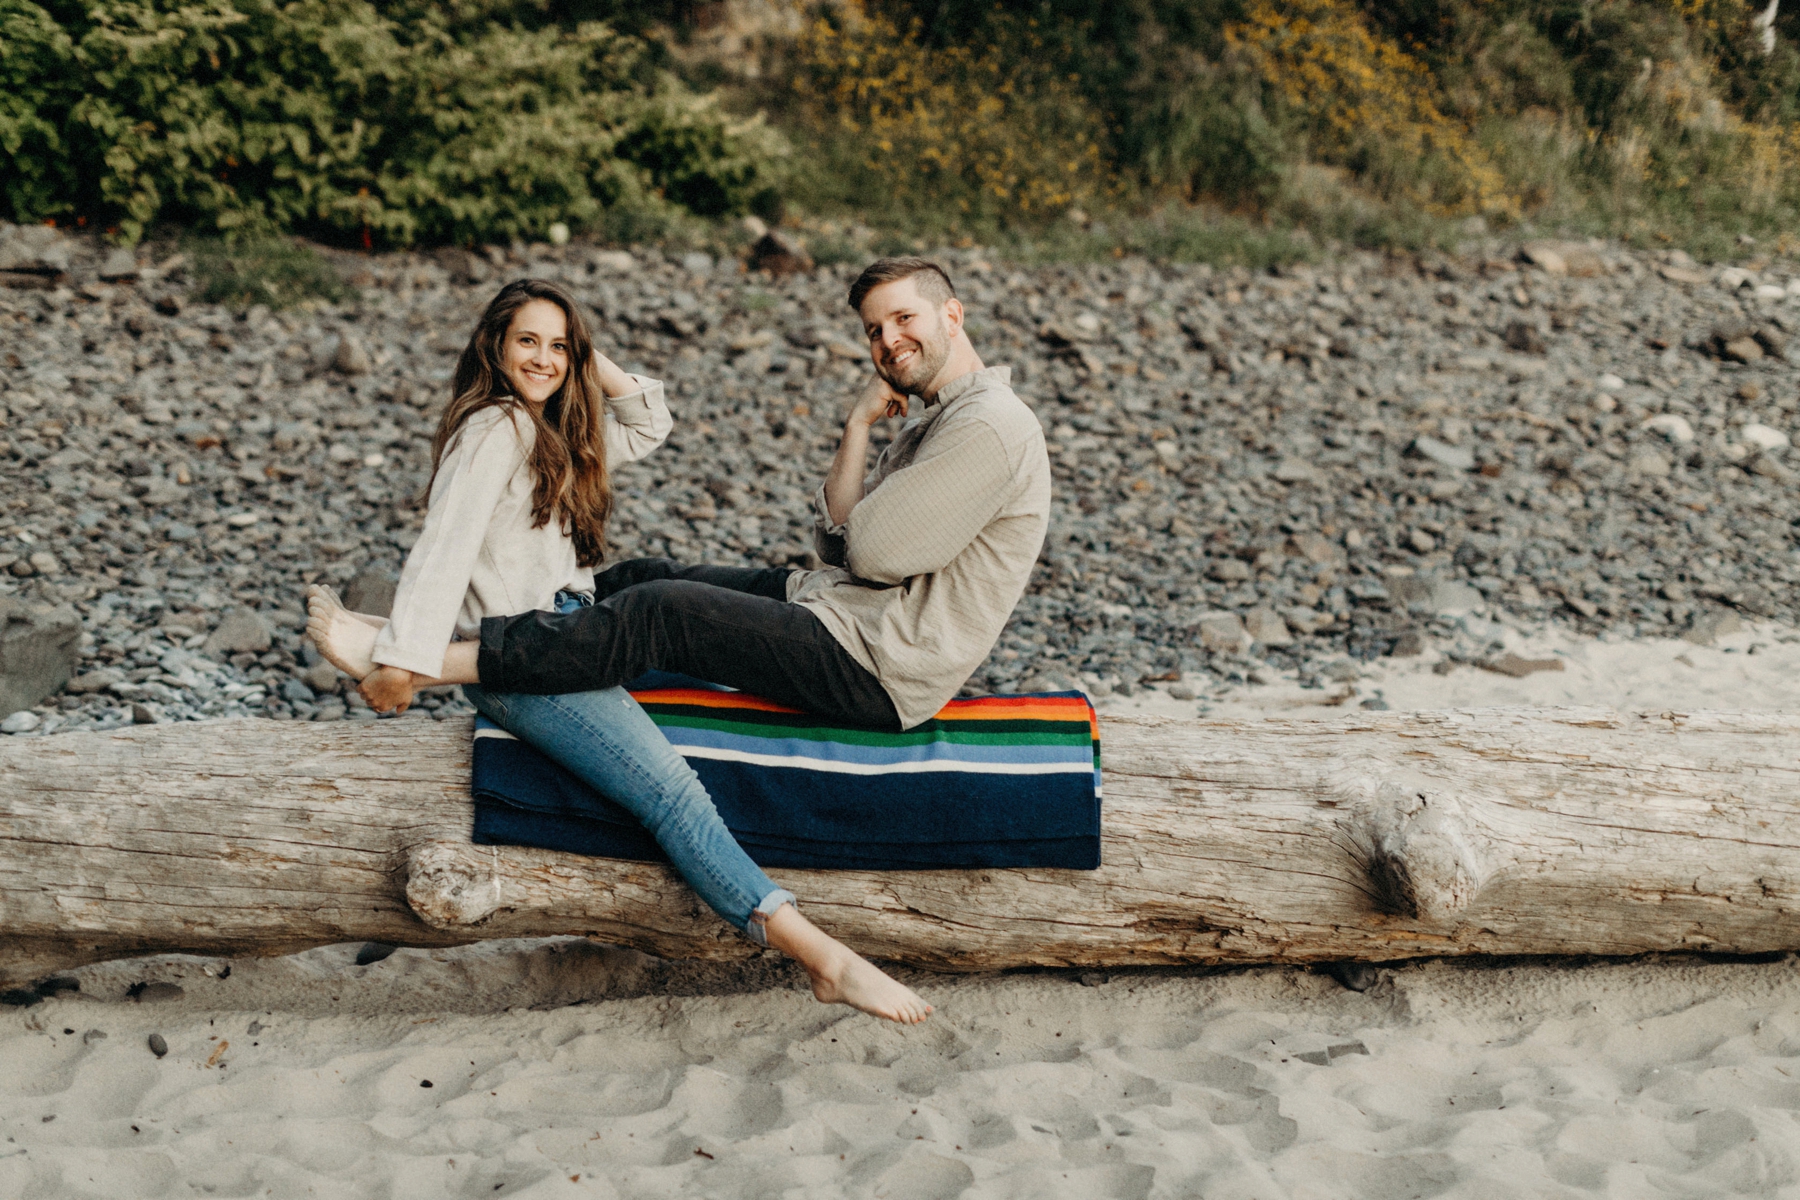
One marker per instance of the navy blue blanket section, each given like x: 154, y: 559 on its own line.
x: 789, y: 816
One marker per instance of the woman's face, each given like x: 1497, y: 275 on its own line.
x: 535, y: 357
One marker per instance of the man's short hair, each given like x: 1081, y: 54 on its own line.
x: 934, y: 283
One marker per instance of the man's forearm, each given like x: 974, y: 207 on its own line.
x: 844, y: 484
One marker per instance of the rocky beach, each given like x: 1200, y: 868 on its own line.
x: 1529, y: 474
x: 1260, y: 476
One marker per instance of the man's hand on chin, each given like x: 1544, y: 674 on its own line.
x: 878, y: 401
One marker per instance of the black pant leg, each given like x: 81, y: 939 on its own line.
x: 769, y: 582
x: 749, y: 642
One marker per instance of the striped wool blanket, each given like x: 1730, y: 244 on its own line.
x: 992, y: 781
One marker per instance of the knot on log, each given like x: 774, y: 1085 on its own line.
x: 451, y: 885
x: 1415, y: 844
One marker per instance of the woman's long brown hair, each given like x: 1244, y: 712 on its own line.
x: 568, y: 455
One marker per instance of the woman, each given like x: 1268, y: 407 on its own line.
x: 519, y: 500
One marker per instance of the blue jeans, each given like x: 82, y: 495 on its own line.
x: 607, y: 740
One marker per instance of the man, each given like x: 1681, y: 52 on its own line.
x: 928, y: 554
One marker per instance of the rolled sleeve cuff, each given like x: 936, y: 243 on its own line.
x: 829, y: 541
x: 418, y: 662
x: 634, y: 402
x: 822, y: 515
x: 490, y: 659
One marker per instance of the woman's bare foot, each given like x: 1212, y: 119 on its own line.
x: 344, y: 640
x: 839, y: 974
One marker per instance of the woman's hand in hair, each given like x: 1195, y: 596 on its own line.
x: 613, y: 381
x: 388, y: 689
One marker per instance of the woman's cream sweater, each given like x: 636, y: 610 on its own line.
x: 478, y: 555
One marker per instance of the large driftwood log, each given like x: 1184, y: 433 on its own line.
x: 1371, y: 836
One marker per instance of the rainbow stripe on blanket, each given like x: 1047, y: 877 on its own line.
x: 991, y: 781
x: 1050, y: 734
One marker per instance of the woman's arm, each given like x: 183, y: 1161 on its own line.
x: 435, y: 580
x: 635, y: 422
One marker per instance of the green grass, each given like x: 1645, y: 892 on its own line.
x: 275, y: 271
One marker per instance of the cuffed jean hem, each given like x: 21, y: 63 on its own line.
x: 757, y: 930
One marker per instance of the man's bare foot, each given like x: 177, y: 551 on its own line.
x: 344, y: 640
x: 840, y: 975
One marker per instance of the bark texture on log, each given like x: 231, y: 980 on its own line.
x: 1371, y: 836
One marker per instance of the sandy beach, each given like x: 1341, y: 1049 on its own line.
x: 560, y: 1068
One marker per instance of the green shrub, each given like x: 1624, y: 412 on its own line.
x: 1385, y: 123
x: 402, y: 122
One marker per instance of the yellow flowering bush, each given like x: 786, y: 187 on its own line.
x: 1368, y: 105
x: 977, y: 134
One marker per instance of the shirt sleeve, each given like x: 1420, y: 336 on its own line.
x: 924, y: 514
x: 828, y: 539
x: 637, y: 423
x: 435, y: 579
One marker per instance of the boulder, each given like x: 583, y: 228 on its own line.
x: 34, y: 250
x: 121, y: 266
x: 371, y: 592
x: 242, y: 631
x: 1267, y: 627
x: 1223, y: 633
x: 39, y: 648
x: 779, y: 254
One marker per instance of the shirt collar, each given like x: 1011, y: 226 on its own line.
x: 962, y: 385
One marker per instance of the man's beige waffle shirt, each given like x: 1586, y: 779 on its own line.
x: 926, y: 571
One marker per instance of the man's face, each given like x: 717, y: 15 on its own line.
x: 909, y: 337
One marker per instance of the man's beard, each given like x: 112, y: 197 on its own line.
x: 933, y: 353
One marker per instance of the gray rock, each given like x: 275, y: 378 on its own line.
x: 1228, y: 570
x: 780, y: 254
x: 1455, y: 458
x: 322, y: 678
x: 1295, y: 470
x: 157, y: 491
x: 34, y: 249
x: 1223, y: 633
x: 1267, y: 628
x: 371, y: 592
x: 1317, y: 548
x: 95, y: 681
x: 242, y: 631
x: 120, y: 266
x: 1451, y: 598
x: 39, y: 648
x: 23, y: 721
x: 159, y: 1045
x: 296, y: 692
x: 351, y: 358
